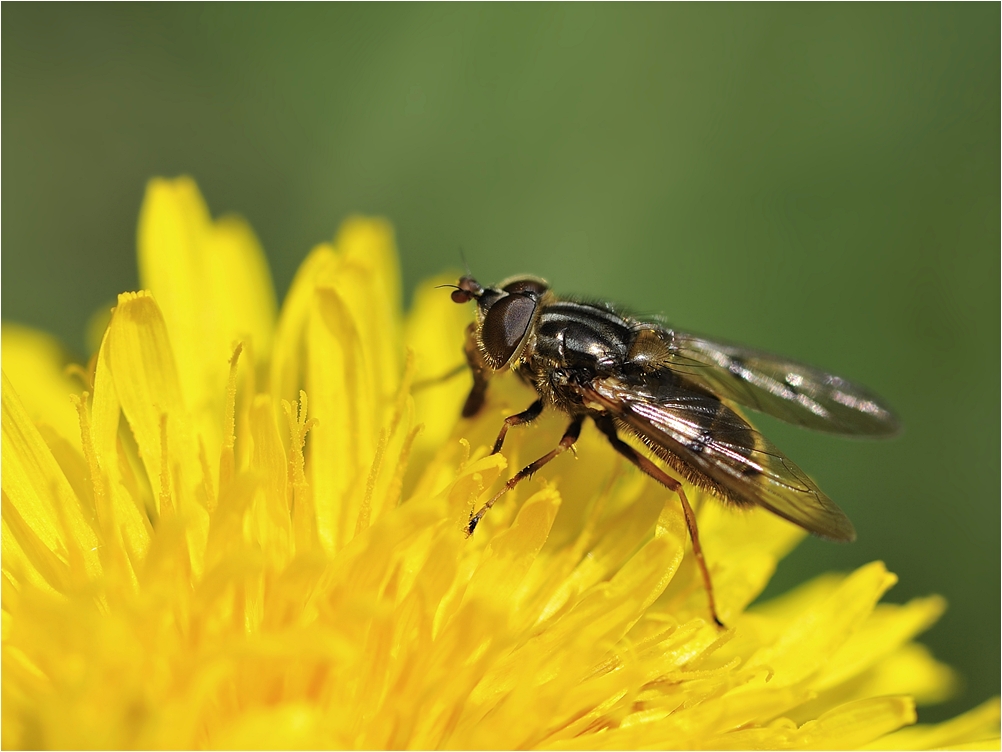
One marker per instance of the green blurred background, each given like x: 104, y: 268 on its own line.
x: 821, y: 180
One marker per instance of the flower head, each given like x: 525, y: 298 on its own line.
x: 245, y: 531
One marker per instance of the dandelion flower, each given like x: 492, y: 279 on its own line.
x: 240, y: 529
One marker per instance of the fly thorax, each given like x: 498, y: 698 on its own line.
x: 650, y: 350
x: 582, y: 335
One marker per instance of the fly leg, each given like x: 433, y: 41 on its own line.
x: 475, y: 363
x: 606, y: 426
x: 435, y: 380
x: 526, y: 416
x: 570, y: 436
x: 475, y: 399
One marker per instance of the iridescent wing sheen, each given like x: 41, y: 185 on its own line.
x: 703, y: 438
x: 788, y: 390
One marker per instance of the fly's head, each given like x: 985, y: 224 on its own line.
x: 505, y: 315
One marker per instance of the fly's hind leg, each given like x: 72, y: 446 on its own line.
x: 606, y: 426
x: 570, y: 436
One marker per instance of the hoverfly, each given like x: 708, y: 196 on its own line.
x: 674, y: 391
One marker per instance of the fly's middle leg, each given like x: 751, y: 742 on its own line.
x: 569, y: 437
x: 526, y: 416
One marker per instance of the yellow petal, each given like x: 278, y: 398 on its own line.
x: 286, y: 373
x: 434, y: 331
x: 606, y: 543
x: 588, y: 629
x: 845, y: 727
x: 751, y: 704
x: 975, y: 729
x: 36, y: 363
x: 511, y: 553
x: 702, y: 723
x: 141, y: 363
x: 344, y: 441
x: 288, y: 726
x: 888, y: 627
x: 174, y: 225
x: 270, y: 518
x: 213, y: 286
x: 130, y: 511
x: 40, y: 511
x: 911, y: 670
x: 809, y: 641
x: 353, y: 369
x: 369, y: 253
x: 239, y: 286
x: 742, y: 549
x: 804, y: 596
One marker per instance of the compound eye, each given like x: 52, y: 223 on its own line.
x: 505, y: 326
x: 531, y: 286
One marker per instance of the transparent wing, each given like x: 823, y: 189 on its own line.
x: 702, y: 437
x: 791, y: 391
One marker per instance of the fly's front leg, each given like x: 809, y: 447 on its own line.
x: 570, y: 436
x: 606, y: 426
x: 436, y: 380
x: 480, y: 371
x: 526, y: 416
